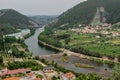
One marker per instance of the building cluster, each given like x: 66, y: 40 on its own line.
x: 68, y: 76
x: 50, y: 72
x: 102, y: 29
x: 27, y: 74
x: 47, y: 73
x: 5, y: 72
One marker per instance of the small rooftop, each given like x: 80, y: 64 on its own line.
x: 69, y: 75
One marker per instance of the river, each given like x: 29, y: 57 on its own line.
x: 34, y: 47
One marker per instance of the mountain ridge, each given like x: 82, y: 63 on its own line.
x: 84, y: 12
x: 10, y: 20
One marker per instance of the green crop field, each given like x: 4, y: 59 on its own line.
x: 103, y: 45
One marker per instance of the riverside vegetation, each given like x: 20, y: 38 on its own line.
x: 100, y: 41
x: 74, y: 30
x: 84, y: 43
x: 81, y: 76
x: 61, y: 34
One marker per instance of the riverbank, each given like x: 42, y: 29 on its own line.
x: 32, y: 32
x: 83, y: 43
x: 56, y: 50
x: 69, y: 64
x: 68, y: 52
x: 34, y: 47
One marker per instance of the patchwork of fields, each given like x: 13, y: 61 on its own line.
x: 103, y: 45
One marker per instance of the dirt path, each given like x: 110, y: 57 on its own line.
x: 68, y: 52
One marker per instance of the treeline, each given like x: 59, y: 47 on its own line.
x: 48, y: 47
x: 50, y: 41
x: 42, y: 20
x: 48, y: 37
x: 12, y: 17
x: 32, y: 31
x: 25, y: 64
x: 6, y: 45
x: 81, y: 76
x: 81, y: 50
x: 6, y: 29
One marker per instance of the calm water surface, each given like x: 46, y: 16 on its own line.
x: 33, y: 46
x: 32, y: 43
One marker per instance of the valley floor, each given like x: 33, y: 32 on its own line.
x: 68, y: 52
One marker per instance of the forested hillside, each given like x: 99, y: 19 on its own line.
x: 97, y: 41
x: 10, y: 20
x: 84, y: 12
x: 43, y: 19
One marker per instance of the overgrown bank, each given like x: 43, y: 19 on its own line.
x: 48, y: 47
x: 85, y: 44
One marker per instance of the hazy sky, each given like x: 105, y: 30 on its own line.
x: 39, y: 7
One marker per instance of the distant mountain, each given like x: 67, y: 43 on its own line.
x: 43, y: 19
x: 10, y: 20
x: 84, y: 12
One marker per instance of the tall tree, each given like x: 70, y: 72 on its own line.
x: 1, y: 60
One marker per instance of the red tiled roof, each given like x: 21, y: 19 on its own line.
x: 49, y: 79
x: 30, y: 74
x: 37, y: 79
x: 69, y: 75
x: 12, y: 78
x: 11, y: 72
x: 5, y: 69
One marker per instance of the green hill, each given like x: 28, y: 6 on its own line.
x: 96, y: 41
x: 84, y: 12
x: 10, y: 20
x: 43, y: 19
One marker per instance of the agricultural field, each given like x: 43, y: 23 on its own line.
x: 95, y: 44
x: 107, y: 46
